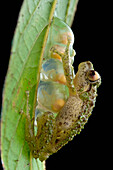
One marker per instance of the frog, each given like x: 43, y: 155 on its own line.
x: 56, y: 130
x: 74, y: 98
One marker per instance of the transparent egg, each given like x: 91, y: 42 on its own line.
x: 52, y: 96
x: 52, y: 90
x: 52, y: 70
x: 58, y: 37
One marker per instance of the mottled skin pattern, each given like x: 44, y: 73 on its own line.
x: 78, y: 107
x: 55, y: 131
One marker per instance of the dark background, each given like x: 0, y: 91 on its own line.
x: 87, y: 150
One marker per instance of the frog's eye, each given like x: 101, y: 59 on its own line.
x: 93, y: 76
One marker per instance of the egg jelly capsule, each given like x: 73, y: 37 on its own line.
x: 62, y: 35
x: 61, y: 31
x: 52, y: 95
x: 59, y: 35
x: 52, y: 70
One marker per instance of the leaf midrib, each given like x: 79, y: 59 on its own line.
x: 41, y: 56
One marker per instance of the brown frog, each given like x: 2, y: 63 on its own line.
x: 54, y: 131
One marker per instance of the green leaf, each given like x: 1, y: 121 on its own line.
x: 23, y: 74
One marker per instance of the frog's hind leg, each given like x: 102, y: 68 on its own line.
x: 40, y: 142
x: 68, y: 68
x: 44, y: 136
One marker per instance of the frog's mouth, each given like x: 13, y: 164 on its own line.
x: 94, y: 82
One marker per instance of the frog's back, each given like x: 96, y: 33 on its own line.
x: 70, y: 113
x: 74, y: 115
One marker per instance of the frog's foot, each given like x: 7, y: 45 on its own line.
x: 73, y: 53
x: 54, y: 50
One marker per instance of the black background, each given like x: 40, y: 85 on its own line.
x: 87, y: 150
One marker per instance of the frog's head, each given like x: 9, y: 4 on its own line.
x: 86, y: 76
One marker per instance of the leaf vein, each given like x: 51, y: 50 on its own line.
x: 28, y: 23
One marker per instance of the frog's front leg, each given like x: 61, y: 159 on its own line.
x: 68, y: 68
